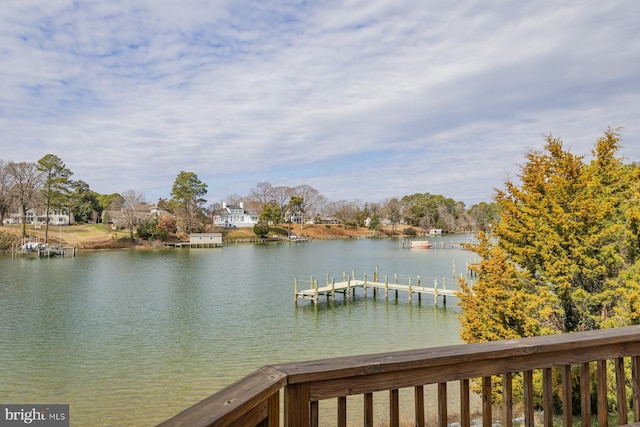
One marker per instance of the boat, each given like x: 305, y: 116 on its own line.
x: 420, y: 244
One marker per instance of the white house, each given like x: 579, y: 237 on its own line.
x: 56, y: 217
x: 235, y: 216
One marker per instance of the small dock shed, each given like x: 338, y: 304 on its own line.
x: 205, y: 240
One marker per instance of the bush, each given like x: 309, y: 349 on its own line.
x: 410, y: 231
x: 261, y: 228
x: 7, y: 240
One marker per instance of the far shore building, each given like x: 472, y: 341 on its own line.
x: 38, y: 217
x: 205, y: 240
x: 116, y: 217
x: 235, y: 216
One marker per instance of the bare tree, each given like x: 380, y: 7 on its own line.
x: 25, y: 182
x: 343, y: 211
x: 212, y: 211
x: 311, y: 200
x: 281, y: 196
x: 262, y: 194
x: 5, y: 196
x: 392, y: 210
x: 234, y: 199
x: 132, y: 203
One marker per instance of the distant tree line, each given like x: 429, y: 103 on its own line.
x: 47, y: 185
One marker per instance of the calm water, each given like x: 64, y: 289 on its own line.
x: 133, y: 337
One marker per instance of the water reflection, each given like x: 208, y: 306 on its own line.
x: 130, y: 338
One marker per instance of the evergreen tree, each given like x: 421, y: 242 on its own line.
x: 187, y: 197
x: 565, y: 254
x: 55, y: 186
x: 565, y: 247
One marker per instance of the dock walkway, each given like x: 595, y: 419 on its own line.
x: 347, y: 287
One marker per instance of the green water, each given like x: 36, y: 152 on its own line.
x: 133, y: 337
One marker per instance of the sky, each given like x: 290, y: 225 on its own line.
x: 359, y: 99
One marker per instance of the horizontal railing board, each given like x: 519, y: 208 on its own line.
x: 411, y: 377
x: 551, y: 348
x: 230, y: 406
x: 255, y: 399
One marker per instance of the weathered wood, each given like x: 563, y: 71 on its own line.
x: 251, y: 395
x: 254, y: 400
x: 585, y: 395
x: 528, y: 399
x: 472, y: 360
x: 567, y: 401
x: 442, y: 405
x: 342, y: 411
x: 314, y: 409
x: 465, y: 405
x: 635, y: 385
x: 394, y: 408
x: 547, y: 397
x: 360, y: 374
x: 603, y: 415
x: 507, y: 400
x: 273, y: 408
x: 296, y: 405
x: 368, y: 410
x: 621, y: 391
x: 486, y: 402
x: 419, y: 405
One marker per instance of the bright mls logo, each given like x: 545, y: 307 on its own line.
x: 34, y: 415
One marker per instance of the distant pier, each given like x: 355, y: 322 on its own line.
x: 380, y: 285
x: 45, y: 251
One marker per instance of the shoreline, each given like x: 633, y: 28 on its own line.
x: 96, y: 237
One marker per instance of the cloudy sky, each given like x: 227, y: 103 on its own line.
x: 360, y: 99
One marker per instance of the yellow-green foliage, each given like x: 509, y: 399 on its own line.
x: 565, y: 255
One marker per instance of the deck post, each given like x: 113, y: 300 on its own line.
x: 353, y: 276
x: 376, y: 276
x: 409, y: 290
x: 444, y: 287
x: 333, y: 290
x: 295, y: 291
x: 396, y: 282
x: 435, y: 292
x: 348, y: 294
x: 419, y: 293
x: 315, y: 298
x: 454, y: 268
x: 386, y: 288
x: 296, y: 405
x: 364, y: 287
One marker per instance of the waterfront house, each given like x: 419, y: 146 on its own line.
x: 116, y: 217
x: 235, y: 216
x: 38, y: 217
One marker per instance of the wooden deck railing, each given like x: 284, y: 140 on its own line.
x: 255, y: 399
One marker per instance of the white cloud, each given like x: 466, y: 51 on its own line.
x: 360, y: 99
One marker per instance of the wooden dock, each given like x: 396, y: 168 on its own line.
x: 349, y: 284
x: 45, y: 251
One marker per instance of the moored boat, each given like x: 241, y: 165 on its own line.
x: 420, y: 244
